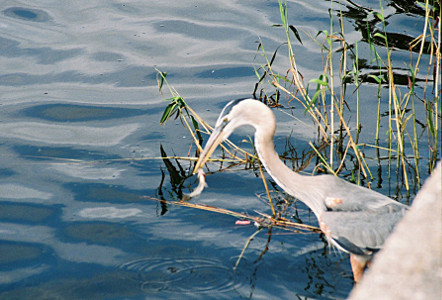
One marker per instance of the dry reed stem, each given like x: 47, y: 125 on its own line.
x: 356, y: 150
x: 313, y: 111
x: 265, y: 221
x: 267, y: 189
x: 398, y: 116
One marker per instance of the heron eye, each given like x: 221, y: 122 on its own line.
x: 225, y: 120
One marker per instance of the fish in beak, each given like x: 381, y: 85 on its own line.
x: 215, y: 139
x: 222, y: 131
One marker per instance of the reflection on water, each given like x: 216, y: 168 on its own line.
x: 28, y: 14
x: 79, y: 118
x: 24, y: 212
x: 11, y: 253
x: 77, y: 113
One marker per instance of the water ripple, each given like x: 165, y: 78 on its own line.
x: 182, y: 275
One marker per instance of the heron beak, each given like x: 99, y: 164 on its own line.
x: 215, y: 139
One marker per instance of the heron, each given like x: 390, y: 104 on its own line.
x: 355, y: 219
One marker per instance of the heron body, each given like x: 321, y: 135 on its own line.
x: 355, y: 219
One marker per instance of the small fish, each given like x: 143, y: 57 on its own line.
x: 199, y: 189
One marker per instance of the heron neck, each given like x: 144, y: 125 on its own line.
x: 299, y: 186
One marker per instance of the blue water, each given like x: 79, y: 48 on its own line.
x: 80, y: 140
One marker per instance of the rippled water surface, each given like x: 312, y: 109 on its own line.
x: 79, y: 124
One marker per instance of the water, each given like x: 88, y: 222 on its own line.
x: 79, y: 122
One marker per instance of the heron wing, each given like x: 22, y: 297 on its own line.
x: 360, y: 232
x: 358, y: 220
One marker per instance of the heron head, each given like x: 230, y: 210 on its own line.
x: 236, y: 113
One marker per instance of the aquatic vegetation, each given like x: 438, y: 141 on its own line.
x: 327, y: 104
x: 324, y: 98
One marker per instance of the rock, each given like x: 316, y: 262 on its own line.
x: 409, y: 265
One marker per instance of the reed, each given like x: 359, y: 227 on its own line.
x: 260, y: 219
x: 340, y: 142
x: 330, y: 113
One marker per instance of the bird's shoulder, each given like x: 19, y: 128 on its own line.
x: 343, y: 196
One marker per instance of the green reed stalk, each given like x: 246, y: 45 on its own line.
x: 343, y: 87
x: 357, y: 83
x: 332, y: 89
x: 394, y: 100
x: 437, y: 99
x: 307, y: 102
x: 390, y: 129
x: 414, y: 143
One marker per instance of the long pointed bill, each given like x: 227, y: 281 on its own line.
x: 215, y: 139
